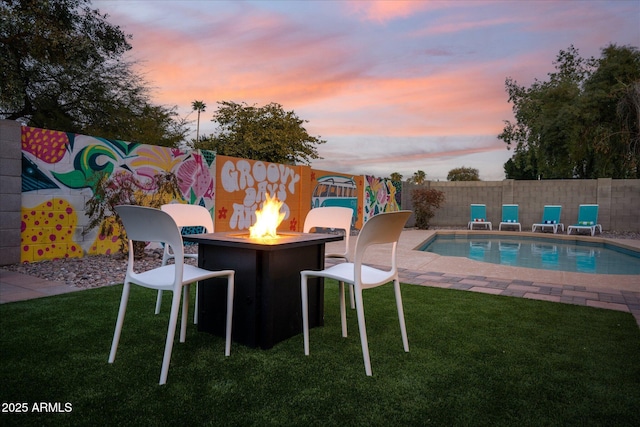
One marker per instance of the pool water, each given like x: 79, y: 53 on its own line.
x: 540, y: 253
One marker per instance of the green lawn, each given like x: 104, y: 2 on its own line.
x: 475, y: 359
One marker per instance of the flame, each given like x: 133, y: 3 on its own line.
x: 267, y: 220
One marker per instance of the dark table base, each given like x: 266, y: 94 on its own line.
x: 267, y: 305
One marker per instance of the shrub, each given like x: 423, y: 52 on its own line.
x: 425, y: 201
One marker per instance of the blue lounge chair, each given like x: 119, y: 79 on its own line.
x: 478, y: 217
x: 550, y: 218
x: 510, y: 217
x: 587, y: 220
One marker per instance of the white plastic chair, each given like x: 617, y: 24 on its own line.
x: 185, y: 216
x: 384, y: 228
x: 153, y: 225
x: 333, y: 217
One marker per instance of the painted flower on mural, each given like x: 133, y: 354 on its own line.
x: 151, y: 159
x: 47, y: 145
x: 392, y: 204
x: 195, y: 179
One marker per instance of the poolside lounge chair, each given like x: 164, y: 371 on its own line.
x: 550, y: 218
x: 587, y: 220
x: 478, y: 217
x: 510, y: 217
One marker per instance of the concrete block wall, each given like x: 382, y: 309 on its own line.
x: 625, y: 204
x: 618, y: 200
x: 10, y: 191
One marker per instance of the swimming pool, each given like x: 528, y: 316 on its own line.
x: 578, y: 256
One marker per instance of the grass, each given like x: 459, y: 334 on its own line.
x: 475, y: 359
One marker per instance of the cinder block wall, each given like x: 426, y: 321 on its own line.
x: 618, y: 200
x: 10, y: 191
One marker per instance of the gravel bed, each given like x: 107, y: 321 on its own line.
x: 92, y: 271
x: 103, y: 270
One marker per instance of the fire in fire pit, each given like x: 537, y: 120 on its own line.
x: 267, y: 219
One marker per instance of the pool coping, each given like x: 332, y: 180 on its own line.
x: 426, y: 268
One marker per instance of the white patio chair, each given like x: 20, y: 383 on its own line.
x: 384, y: 228
x: 337, y: 218
x: 185, y: 216
x: 153, y: 225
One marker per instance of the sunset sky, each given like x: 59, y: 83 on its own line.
x: 392, y: 86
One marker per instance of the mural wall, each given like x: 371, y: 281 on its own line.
x: 59, y: 170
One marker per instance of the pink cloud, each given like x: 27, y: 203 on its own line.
x: 382, y: 11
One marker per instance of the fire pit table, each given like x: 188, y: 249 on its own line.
x: 267, y: 307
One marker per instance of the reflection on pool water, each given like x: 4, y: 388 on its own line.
x: 540, y: 253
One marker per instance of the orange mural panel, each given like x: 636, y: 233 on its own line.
x: 242, y: 186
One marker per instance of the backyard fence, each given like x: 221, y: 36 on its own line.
x: 45, y: 182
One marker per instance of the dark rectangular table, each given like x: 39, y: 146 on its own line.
x: 267, y: 305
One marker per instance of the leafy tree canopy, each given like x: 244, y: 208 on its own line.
x: 265, y: 133
x: 463, y: 174
x: 583, y: 122
x: 62, y: 67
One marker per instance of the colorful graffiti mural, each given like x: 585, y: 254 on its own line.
x: 58, y: 175
x: 59, y: 171
x: 382, y: 195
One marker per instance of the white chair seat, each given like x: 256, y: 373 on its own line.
x: 161, y: 278
x: 370, y: 276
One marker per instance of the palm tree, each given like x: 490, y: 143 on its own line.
x: 419, y: 177
x: 397, y: 177
x: 198, y: 106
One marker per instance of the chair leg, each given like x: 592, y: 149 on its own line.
x: 158, y: 302
x: 171, y: 333
x: 195, y: 310
x: 304, y: 291
x: 343, y: 308
x: 120, y: 321
x: 230, y: 291
x: 185, y: 312
x: 352, y: 298
x: 403, y: 327
x: 363, y: 331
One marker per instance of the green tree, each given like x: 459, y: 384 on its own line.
x: 62, y: 67
x: 395, y: 176
x: 198, y: 106
x: 419, y: 177
x: 463, y: 174
x: 267, y: 133
x: 580, y: 123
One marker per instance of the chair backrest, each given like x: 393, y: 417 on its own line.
x: 551, y: 214
x: 186, y: 215
x: 145, y: 224
x: 478, y: 212
x: 382, y: 228
x: 588, y: 214
x: 509, y: 213
x: 331, y: 217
